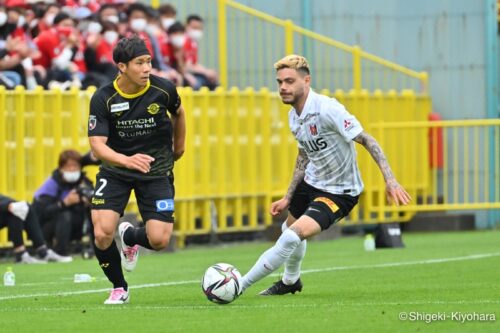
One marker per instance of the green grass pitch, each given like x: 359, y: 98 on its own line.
x: 441, y: 282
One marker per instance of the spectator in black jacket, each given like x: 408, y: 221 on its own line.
x: 18, y: 216
x: 63, y: 203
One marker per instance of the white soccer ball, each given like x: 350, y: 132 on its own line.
x: 221, y: 283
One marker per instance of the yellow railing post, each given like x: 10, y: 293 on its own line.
x: 356, y: 68
x: 75, y: 113
x: 222, y: 43
x: 39, y: 95
x: 289, y: 37
x: 3, y: 139
x: 57, y: 123
x: 266, y: 158
x: 20, y: 102
x: 222, y: 188
x: 424, y: 81
x: 205, y: 162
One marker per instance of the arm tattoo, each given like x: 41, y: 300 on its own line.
x: 377, y: 154
x: 298, y: 173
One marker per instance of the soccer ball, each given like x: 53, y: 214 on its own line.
x: 221, y: 283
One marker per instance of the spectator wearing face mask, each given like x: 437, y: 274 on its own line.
x: 194, y: 30
x: 11, y: 72
x: 61, y: 53
x: 16, y: 49
x: 63, y: 202
x: 44, y: 16
x: 168, y: 15
x: 137, y: 14
x: 99, y: 54
x: 159, y: 38
x: 108, y: 12
x: 176, y: 55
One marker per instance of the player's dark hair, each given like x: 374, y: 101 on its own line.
x: 176, y: 27
x: 193, y: 17
x: 128, y: 49
x: 69, y: 155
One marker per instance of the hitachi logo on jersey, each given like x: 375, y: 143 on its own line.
x: 314, y: 145
x: 136, y: 122
x: 120, y: 107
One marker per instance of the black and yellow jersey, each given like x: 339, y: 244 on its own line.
x: 138, y: 123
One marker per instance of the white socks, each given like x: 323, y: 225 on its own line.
x: 272, y: 259
x: 293, y: 263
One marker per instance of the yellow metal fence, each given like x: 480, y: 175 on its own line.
x: 240, y: 154
x: 243, y: 44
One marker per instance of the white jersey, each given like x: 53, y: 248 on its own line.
x: 325, y: 131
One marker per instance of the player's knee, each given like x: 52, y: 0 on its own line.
x: 289, y: 239
x: 158, y: 243
x: 103, y: 237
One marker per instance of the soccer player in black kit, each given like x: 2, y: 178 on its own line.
x: 137, y: 129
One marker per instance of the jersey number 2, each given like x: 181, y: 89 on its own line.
x: 98, y: 192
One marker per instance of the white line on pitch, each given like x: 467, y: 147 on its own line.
x: 236, y: 306
x: 308, y: 271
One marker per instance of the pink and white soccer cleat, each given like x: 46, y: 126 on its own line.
x: 118, y: 296
x: 129, y: 254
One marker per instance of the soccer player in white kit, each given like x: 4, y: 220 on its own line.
x: 326, y: 181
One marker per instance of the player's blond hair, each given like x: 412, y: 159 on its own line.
x: 293, y: 61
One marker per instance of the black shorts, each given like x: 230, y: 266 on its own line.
x: 336, y: 206
x: 155, y: 198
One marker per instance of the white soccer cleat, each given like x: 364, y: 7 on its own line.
x: 26, y: 258
x: 129, y: 254
x: 53, y: 256
x: 118, y: 296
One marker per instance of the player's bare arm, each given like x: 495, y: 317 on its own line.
x: 102, y: 151
x: 298, y: 175
x: 395, y: 192
x: 179, y: 125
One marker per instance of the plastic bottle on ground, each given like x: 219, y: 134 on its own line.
x: 9, y: 278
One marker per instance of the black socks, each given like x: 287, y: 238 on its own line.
x: 110, y: 262
x: 133, y: 236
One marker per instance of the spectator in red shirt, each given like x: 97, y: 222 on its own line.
x: 16, y: 49
x: 61, y: 52
x: 44, y: 16
x: 194, y: 30
x: 176, y: 55
x: 137, y: 22
x: 99, y: 55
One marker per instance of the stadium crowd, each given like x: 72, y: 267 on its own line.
x: 69, y: 43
